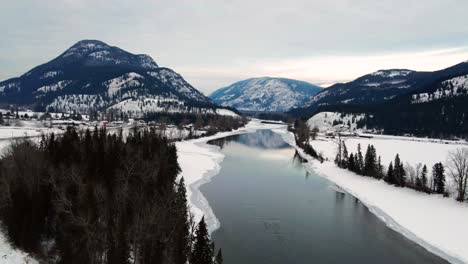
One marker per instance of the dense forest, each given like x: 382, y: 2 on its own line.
x: 443, y: 118
x: 93, y: 197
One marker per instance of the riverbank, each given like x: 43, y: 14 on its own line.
x: 200, y: 161
x: 436, y: 223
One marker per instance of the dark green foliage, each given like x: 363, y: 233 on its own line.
x: 219, y: 257
x: 302, y: 137
x: 399, y: 172
x: 351, y: 163
x: 100, y: 198
x: 359, y: 161
x: 202, y: 249
x: 390, y: 178
x: 438, y: 173
x: 370, y: 162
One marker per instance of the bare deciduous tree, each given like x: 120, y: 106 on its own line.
x: 457, y: 166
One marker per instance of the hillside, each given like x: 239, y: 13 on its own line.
x: 433, y: 105
x: 93, y: 76
x: 265, y: 94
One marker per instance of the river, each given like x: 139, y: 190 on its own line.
x: 274, y: 211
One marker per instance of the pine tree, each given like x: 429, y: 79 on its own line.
x: 380, y: 172
x: 399, y: 172
x: 202, y: 251
x: 390, y: 175
x: 351, y: 163
x: 439, y: 178
x: 359, y: 161
x: 370, y: 162
x: 182, y: 237
x: 219, y: 257
x: 424, y: 178
x: 344, y: 157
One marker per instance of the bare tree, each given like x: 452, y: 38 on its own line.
x: 458, y: 168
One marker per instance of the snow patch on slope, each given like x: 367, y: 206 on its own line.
x: 325, y: 121
x: 457, y: 86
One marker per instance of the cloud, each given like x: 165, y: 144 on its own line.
x: 325, y: 70
x: 217, y: 42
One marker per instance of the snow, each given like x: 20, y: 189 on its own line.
x: 127, y: 80
x: 457, y: 86
x: 226, y: 112
x: 324, y: 120
x: 263, y: 94
x: 391, y: 73
x: 54, y: 87
x: 387, y: 147
x: 51, y: 74
x: 436, y: 223
x: 9, y: 255
x: 199, y: 162
x: 175, y: 80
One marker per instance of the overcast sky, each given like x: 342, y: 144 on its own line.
x: 214, y: 43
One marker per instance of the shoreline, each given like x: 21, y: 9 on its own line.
x: 379, y: 211
x: 200, y: 162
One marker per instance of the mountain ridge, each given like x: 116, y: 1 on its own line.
x: 92, y: 75
x: 265, y: 94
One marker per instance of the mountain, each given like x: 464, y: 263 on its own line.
x: 434, y: 104
x: 265, y: 94
x: 380, y: 87
x: 92, y: 75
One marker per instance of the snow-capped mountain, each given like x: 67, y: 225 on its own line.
x: 453, y: 87
x: 376, y: 87
x: 432, y: 104
x: 92, y: 75
x: 386, y: 86
x: 265, y: 94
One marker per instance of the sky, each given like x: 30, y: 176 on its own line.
x: 213, y: 43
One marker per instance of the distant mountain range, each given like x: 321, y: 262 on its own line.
x: 402, y: 101
x: 265, y: 94
x: 92, y: 75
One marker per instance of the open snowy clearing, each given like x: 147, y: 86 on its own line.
x: 412, y: 151
x: 436, y: 223
x: 199, y: 162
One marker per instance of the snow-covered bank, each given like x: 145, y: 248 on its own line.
x: 200, y: 161
x: 9, y: 255
x: 436, y: 223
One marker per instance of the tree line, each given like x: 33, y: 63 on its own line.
x: 302, y: 135
x: 370, y: 165
x: 93, y: 197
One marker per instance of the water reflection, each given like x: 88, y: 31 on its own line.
x: 262, y: 139
x: 269, y: 214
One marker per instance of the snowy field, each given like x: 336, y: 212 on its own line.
x: 199, y: 162
x: 438, y: 224
x: 412, y: 151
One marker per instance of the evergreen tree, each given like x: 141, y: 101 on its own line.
x: 351, y: 163
x: 380, y: 172
x: 182, y: 237
x: 424, y: 178
x: 202, y: 251
x: 219, y: 257
x: 344, y: 157
x: 390, y: 175
x: 370, y: 162
x: 399, y: 172
x: 439, y: 178
x: 359, y: 161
